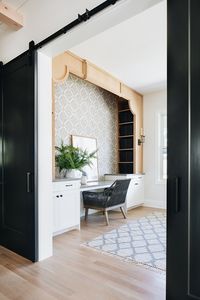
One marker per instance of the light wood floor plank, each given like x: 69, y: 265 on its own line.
x: 76, y: 272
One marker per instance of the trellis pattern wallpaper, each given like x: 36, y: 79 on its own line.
x: 81, y: 108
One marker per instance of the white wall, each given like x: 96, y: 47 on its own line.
x: 45, y: 201
x: 155, y: 193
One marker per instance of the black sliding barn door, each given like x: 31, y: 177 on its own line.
x: 183, y: 250
x: 1, y: 139
x: 18, y: 230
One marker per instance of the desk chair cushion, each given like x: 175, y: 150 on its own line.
x: 94, y: 199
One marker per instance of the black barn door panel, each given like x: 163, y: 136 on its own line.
x: 194, y: 200
x: 19, y: 215
x: 183, y: 237
x: 177, y: 113
x: 1, y: 141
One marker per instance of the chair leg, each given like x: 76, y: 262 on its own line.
x: 123, y: 212
x: 106, y: 215
x: 86, y: 213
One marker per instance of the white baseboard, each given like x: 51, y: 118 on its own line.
x: 154, y: 204
x: 76, y: 227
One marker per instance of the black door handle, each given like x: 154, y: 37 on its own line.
x: 28, y: 175
x: 177, y: 194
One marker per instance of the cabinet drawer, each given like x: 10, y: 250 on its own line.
x: 138, y: 178
x: 66, y: 185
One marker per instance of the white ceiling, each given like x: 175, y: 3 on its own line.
x: 134, y: 51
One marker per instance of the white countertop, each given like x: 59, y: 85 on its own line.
x: 96, y: 185
x: 121, y: 174
x: 93, y: 185
x: 66, y: 179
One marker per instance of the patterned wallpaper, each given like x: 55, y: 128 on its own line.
x: 81, y: 108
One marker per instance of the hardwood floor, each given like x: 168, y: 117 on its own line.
x: 77, y: 273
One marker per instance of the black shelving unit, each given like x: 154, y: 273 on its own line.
x: 125, y: 138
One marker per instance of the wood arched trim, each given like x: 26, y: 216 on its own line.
x: 69, y: 62
x: 61, y: 74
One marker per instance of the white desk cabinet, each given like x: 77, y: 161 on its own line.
x: 66, y: 206
x: 135, y: 193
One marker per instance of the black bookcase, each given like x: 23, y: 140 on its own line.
x: 125, y: 138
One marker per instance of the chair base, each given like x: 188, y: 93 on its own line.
x: 105, y: 211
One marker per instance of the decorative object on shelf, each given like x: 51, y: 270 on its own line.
x: 90, y: 145
x: 84, y: 178
x: 142, y: 137
x: 71, y: 160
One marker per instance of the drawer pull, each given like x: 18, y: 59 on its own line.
x: 67, y: 185
x: 57, y: 196
x: 136, y: 183
x: 61, y: 195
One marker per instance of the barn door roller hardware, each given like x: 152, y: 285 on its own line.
x: 85, y: 16
x: 81, y: 18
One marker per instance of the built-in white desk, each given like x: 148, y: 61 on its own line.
x: 68, y: 204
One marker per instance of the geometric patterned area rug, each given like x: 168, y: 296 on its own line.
x: 142, y: 241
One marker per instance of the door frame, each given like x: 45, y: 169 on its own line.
x: 36, y: 155
x: 44, y: 235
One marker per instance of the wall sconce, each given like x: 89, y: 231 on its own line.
x: 141, y: 140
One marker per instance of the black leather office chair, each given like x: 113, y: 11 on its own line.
x: 111, y: 198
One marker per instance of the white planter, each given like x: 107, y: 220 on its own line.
x: 73, y: 173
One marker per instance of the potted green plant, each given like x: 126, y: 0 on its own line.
x: 71, y: 160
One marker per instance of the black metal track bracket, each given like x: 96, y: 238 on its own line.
x: 31, y: 46
x: 84, y: 17
x: 31, y: 51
